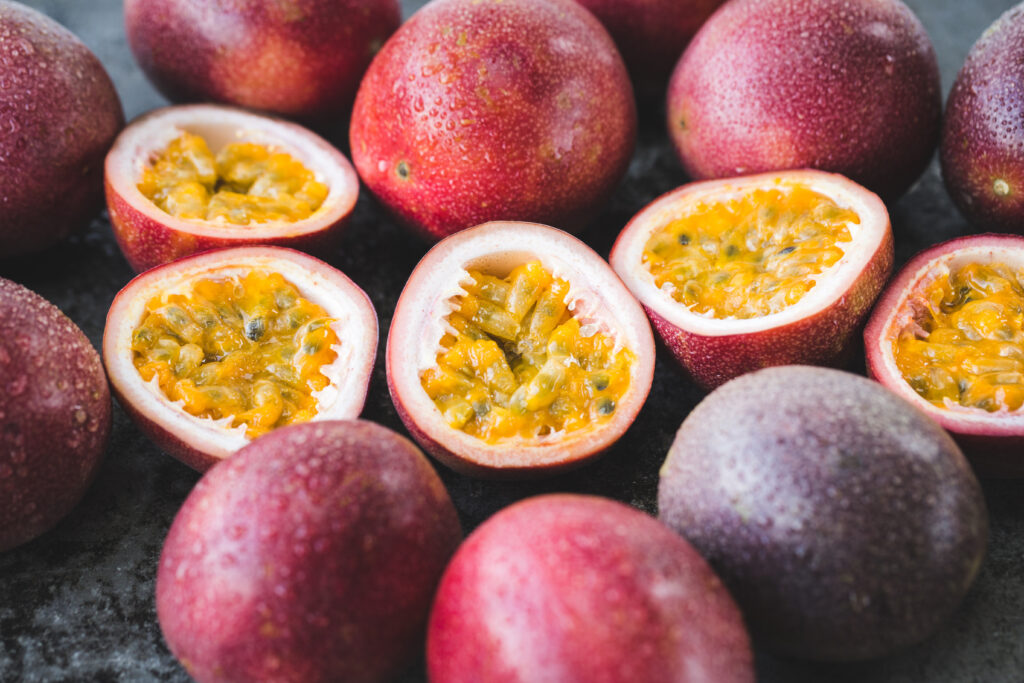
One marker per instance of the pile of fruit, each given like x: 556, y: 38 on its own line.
x: 801, y: 508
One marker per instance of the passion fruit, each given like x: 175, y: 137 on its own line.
x: 312, y: 555
x: 54, y: 414
x: 982, y: 137
x: 302, y: 59
x: 849, y: 86
x: 514, y: 351
x: 478, y: 111
x: 59, y: 114
x: 580, y: 588
x: 947, y: 337
x: 846, y: 523
x: 213, y: 350
x: 181, y: 180
x: 772, y: 269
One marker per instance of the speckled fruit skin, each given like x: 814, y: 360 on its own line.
x: 54, y: 414
x: 850, y: 86
x: 982, y: 150
x: 59, y: 114
x: 302, y: 59
x: 495, y: 110
x: 312, y: 555
x: 846, y: 523
x: 579, y: 588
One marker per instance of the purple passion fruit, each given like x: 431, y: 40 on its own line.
x: 312, y: 555
x: 54, y: 414
x: 212, y: 351
x: 478, y: 111
x: 755, y: 271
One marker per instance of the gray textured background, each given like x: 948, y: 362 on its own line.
x: 77, y: 604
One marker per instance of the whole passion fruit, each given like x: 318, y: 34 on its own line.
x: 579, y: 588
x: 186, y: 179
x: 982, y: 139
x: 514, y: 351
x: 846, y: 523
x: 772, y: 269
x: 54, y: 414
x: 59, y: 114
x: 496, y: 110
x: 212, y: 351
x: 302, y: 59
x: 312, y: 555
x: 850, y: 86
x: 947, y: 336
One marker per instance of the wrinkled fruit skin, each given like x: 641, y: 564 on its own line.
x: 849, y: 87
x: 478, y: 111
x: 54, y: 414
x: 846, y: 523
x: 982, y: 140
x: 60, y: 115
x: 302, y: 59
x: 311, y: 555
x: 580, y: 588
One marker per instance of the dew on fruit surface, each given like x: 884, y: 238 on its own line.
x: 79, y: 415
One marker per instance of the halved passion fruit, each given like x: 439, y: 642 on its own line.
x: 948, y: 336
x: 210, y: 352
x: 515, y: 351
x: 745, y: 273
x: 186, y: 179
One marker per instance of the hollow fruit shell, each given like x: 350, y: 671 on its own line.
x: 201, y: 442
x: 816, y: 330
x: 417, y: 327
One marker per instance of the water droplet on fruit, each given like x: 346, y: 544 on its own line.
x: 418, y: 105
x: 1001, y: 187
x: 79, y: 415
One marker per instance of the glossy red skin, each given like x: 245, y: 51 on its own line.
x: 302, y: 58
x: 993, y: 451
x: 488, y: 122
x: 60, y: 114
x: 579, y: 588
x: 981, y: 136
x: 311, y: 555
x: 777, y: 84
x: 54, y: 414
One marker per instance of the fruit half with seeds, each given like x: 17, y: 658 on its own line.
x: 947, y: 335
x: 186, y: 179
x: 210, y: 352
x: 745, y: 273
x: 515, y: 351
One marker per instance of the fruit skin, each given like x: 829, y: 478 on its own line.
x: 994, y: 445
x: 479, y: 111
x: 846, y: 523
x: 844, y: 86
x: 60, y: 114
x: 54, y: 414
x: 981, y: 138
x: 312, y: 555
x: 302, y: 59
x: 579, y: 588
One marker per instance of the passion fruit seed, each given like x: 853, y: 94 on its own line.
x: 249, y: 347
x: 965, y: 345
x: 749, y: 256
x: 516, y: 361
x: 245, y: 183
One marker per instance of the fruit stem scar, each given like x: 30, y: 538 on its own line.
x: 402, y: 169
x: 1001, y: 187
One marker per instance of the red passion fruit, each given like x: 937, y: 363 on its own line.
x: 59, y: 114
x: 54, y: 414
x: 495, y: 110
x: 302, y: 59
x: 515, y: 351
x: 947, y: 336
x: 185, y: 179
x: 772, y: 269
x: 214, y: 350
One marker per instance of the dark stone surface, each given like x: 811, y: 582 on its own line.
x: 77, y: 604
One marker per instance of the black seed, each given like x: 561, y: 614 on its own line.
x: 254, y: 329
x: 599, y: 382
x: 732, y: 250
x: 605, y: 406
x: 684, y: 239
x: 787, y: 250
